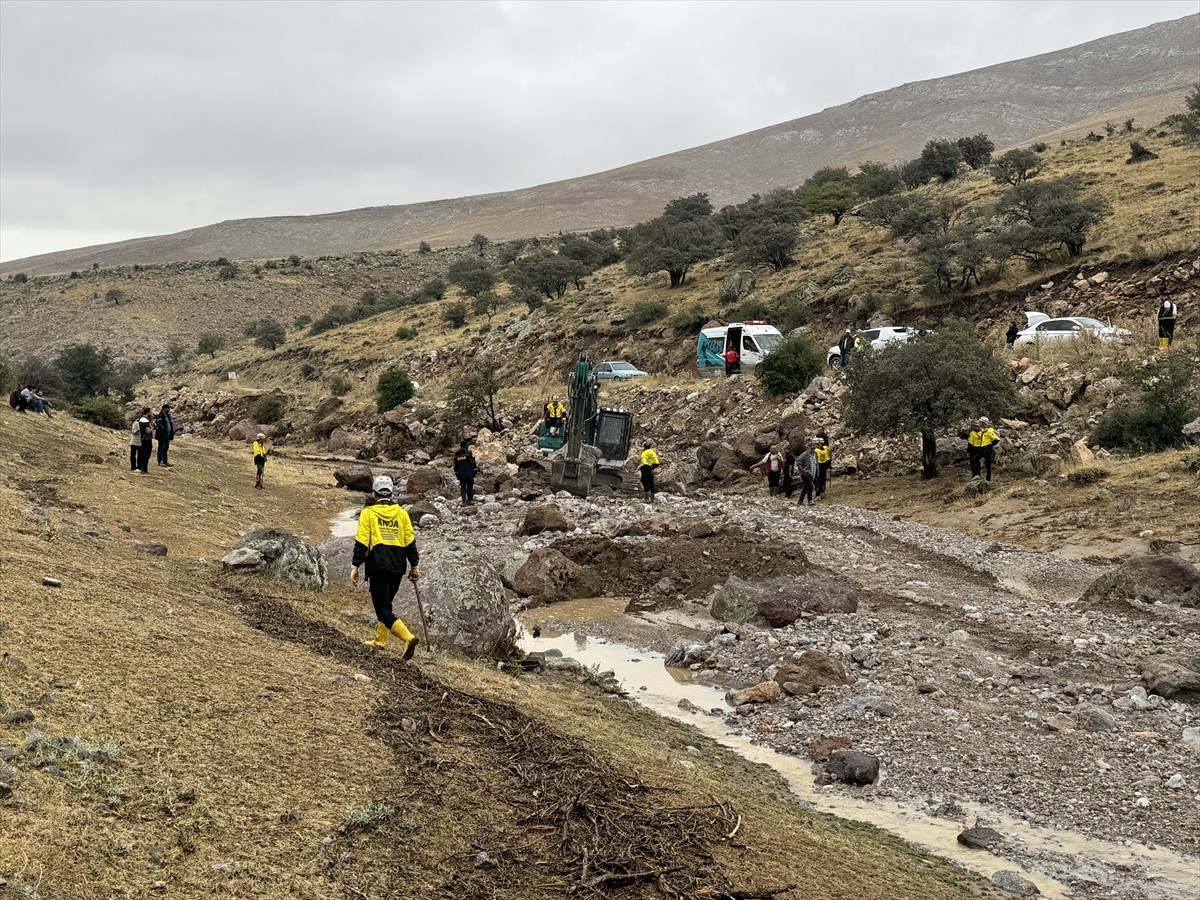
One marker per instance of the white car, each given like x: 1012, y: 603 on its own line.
x: 617, y: 369
x: 1040, y: 327
x: 877, y: 338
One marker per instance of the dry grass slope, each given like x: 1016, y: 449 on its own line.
x: 228, y: 763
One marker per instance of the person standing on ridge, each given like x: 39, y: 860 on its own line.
x: 465, y: 469
x: 259, y: 451
x: 385, y: 546
x: 1167, y: 313
x: 649, y: 462
x: 164, y: 433
x: 845, y: 345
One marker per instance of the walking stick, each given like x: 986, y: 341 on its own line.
x: 421, y: 612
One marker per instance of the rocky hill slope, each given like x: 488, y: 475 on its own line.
x: 1141, y: 73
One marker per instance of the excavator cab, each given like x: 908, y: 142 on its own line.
x: 594, y: 442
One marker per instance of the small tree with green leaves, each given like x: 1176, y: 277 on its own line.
x: 941, y: 159
x: 773, y: 243
x: 1189, y: 119
x: 832, y: 198
x: 473, y: 394
x: 976, y: 151
x: 1016, y: 166
x: 930, y: 383
x: 472, y: 275
x: 480, y: 243
x: 790, y: 366
x: 393, y: 388
x: 1044, y: 215
x: 1167, y: 398
x: 682, y: 236
x: 84, y: 370
x: 644, y: 312
x: 486, y: 305
x: 269, y: 333
x: 876, y: 179
x: 455, y: 314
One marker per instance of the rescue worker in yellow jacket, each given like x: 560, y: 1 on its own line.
x: 649, y: 462
x: 259, y: 451
x: 556, y: 415
x: 981, y: 444
x: 824, y: 456
x: 385, y: 543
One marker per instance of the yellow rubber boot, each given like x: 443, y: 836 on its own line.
x: 381, y: 636
x: 400, y: 630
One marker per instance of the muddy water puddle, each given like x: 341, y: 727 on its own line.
x: 660, y: 689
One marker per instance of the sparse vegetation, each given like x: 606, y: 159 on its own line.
x: 268, y: 333
x: 393, y: 388
x: 790, y: 366
x: 1167, y: 398
x: 102, y: 411
x: 455, y: 314
x: 644, y: 312
x: 268, y: 410
x: 340, y: 386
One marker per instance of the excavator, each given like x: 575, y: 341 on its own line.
x: 592, y: 446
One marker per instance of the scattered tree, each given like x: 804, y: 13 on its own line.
x: 941, y: 159
x: 424, y: 248
x: 923, y: 386
x: 773, y: 243
x: 472, y: 275
x: 455, y: 314
x: 876, y: 179
x: 1138, y: 153
x: 393, y: 388
x: 114, y: 296
x: 480, y: 243
x: 644, y: 312
x: 913, y: 174
x: 1016, y: 166
x: 84, y: 370
x: 1043, y: 215
x: 268, y: 333
x: 682, y: 236
x: 976, y: 151
x: 1168, y: 398
x: 833, y: 198
x: 548, y: 273
x: 1189, y: 119
x: 20, y: 278
x: 472, y: 395
x: 486, y: 305
x: 175, y: 353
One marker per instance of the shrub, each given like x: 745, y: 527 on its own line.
x: 308, y: 371
x: 404, y: 333
x: 455, y: 315
x: 339, y: 386
x: 1167, y: 402
x: 209, y: 342
x: 102, y: 411
x: 1040, y: 147
x: 301, y: 322
x: 114, y: 296
x: 19, y: 278
x: 268, y: 410
x: 688, y: 320
x: 1086, y: 475
x: 227, y: 272
x: 394, y: 388
x: 1138, y: 153
x: 790, y: 366
x: 424, y: 248
x: 644, y: 312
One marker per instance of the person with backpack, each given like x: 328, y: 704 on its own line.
x: 385, y: 546
x: 164, y: 433
x: 141, y: 442
x: 772, y: 468
x: 259, y: 451
x: 465, y: 469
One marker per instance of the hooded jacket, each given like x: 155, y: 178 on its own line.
x: 385, y: 540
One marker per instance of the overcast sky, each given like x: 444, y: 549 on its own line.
x: 121, y: 120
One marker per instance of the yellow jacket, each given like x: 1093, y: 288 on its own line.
x: 984, y: 438
x: 822, y: 454
x: 649, y: 457
x: 259, y: 448
x: 385, y: 540
x: 555, y: 410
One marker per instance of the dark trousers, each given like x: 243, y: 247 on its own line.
x: 773, y: 482
x: 789, y: 485
x: 732, y: 368
x: 163, y: 448
x: 133, y: 455
x: 823, y: 477
x: 845, y: 358
x: 1166, y: 329
x: 143, y: 457
x: 648, y: 480
x: 806, y: 486
x: 259, y: 463
x: 466, y: 487
x: 984, y: 455
x: 973, y: 459
x: 384, y: 586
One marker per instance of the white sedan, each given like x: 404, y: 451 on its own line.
x: 1040, y: 327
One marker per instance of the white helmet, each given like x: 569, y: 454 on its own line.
x: 261, y: 436
x: 382, y: 485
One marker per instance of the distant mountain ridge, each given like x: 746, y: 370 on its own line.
x: 1141, y: 73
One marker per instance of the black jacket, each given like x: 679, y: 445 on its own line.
x: 164, y: 427
x: 465, y: 466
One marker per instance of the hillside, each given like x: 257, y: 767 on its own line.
x: 1141, y: 73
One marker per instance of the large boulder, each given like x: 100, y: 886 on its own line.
x: 244, y: 431
x: 548, y: 575
x: 338, y: 553
x: 282, y: 554
x: 853, y: 767
x: 811, y: 672
x: 736, y: 286
x: 354, y: 478
x: 1176, y: 678
x: 737, y: 601
x: 465, y: 605
x: 422, y: 482
x: 1149, y: 579
x: 818, y: 593
x: 544, y: 517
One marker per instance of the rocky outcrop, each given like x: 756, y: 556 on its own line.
x: 811, y: 672
x: 544, y: 517
x: 279, y: 553
x: 814, y: 594
x: 548, y: 575
x: 1176, y: 678
x: 1150, y: 579
x: 423, y: 481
